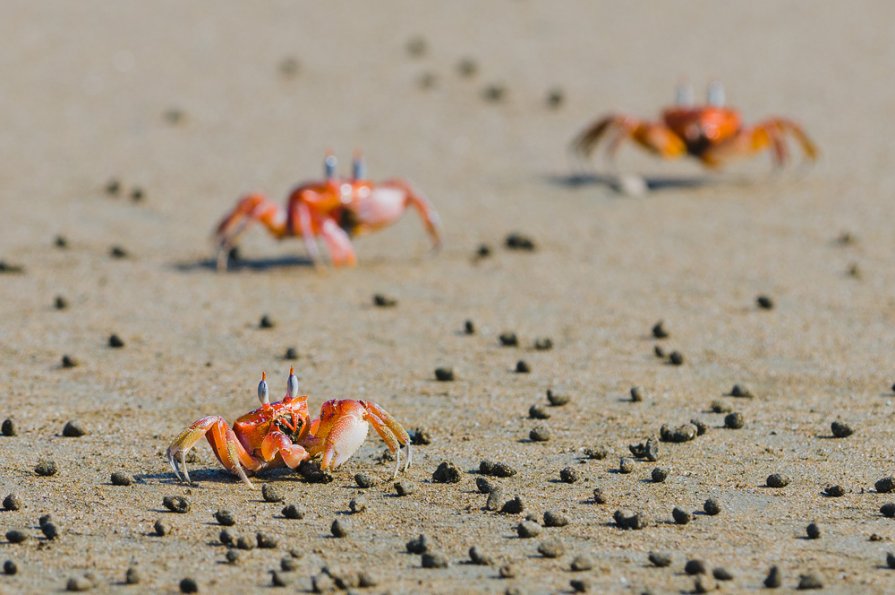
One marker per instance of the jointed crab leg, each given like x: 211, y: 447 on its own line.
x: 391, y: 432
x: 253, y: 207
x: 226, y: 446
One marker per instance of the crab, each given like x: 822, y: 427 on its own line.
x: 282, y: 434
x: 712, y: 133
x: 334, y: 209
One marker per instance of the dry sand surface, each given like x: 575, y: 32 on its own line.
x: 87, y: 95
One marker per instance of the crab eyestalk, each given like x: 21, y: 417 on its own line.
x: 683, y: 94
x: 715, y: 96
x: 329, y: 165
x: 358, y: 167
x: 263, y: 391
x: 292, y: 384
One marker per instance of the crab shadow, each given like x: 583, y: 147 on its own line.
x: 613, y: 182
x: 245, y: 264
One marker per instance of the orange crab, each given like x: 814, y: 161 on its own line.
x: 281, y: 433
x: 334, y: 209
x: 712, y: 133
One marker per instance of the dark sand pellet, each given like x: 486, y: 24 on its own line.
x: 810, y: 581
x: 417, y: 47
x: 720, y: 407
x: 522, y: 367
x: 189, y: 585
x: 722, y: 574
x: 433, y: 560
x: 121, y: 479
x: 266, y: 322
x: 741, y: 391
x: 599, y: 496
x: 357, y: 504
x: 514, y: 506
x: 60, y: 303
x: 701, y: 427
x: 497, y: 469
x: 10, y: 567
x: 636, y: 394
x: 890, y: 560
x: 364, y: 481
x: 551, y: 548
x: 50, y: 530
x: 115, y: 342
x: 73, y: 429
x: 293, y: 512
x: 553, y: 518
x: 683, y: 433
x: 420, y: 437
x: 270, y: 493
x: 291, y: 353
x: 226, y: 538
x: 539, y: 434
x: 46, y: 468
x: 16, y: 536
x: 659, y: 559
x: 813, y: 531
x: 467, y: 67
x: 507, y: 571
x: 280, y: 579
x: 659, y: 474
x: 384, y: 301
x: 764, y: 302
x: 340, y: 528
x: 659, y: 331
x: 447, y: 472
x: 888, y: 510
x: 288, y: 564
x: 711, y: 507
x: 70, y: 361
x: 538, y: 412
x: 469, y: 327
x: 543, y: 344
x: 444, y: 374
x: 480, y: 558
x: 113, y: 187
x: 625, y: 465
x: 774, y: 579
x: 681, y: 516
x: 266, y: 541
x: 734, y: 421
x: 161, y: 529
x: 118, y: 252
x: 648, y: 450
x: 404, y: 488
x: 777, y: 480
x: 177, y: 504
x: 676, y: 358
x: 658, y: 351
x: 12, y: 502
x: 581, y: 563
x: 555, y: 98
x: 8, y: 428
x: 579, y: 585
x: 518, y: 241
x: 695, y: 567
x: 625, y: 519
x: 885, y: 485
x: 597, y: 453
x: 79, y: 584
x: 418, y: 545
x: 834, y: 491
x: 841, y: 430
x: 528, y: 529
x: 225, y: 518
x: 132, y: 576
x: 569, y: 475
x: 60, y: 242
x: 557, y: 397
x: 495, y: 499
x: 245, y: 543
x: 508, y: 339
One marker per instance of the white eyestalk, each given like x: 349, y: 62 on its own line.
x: 292, y: 384
x: 358, y: 167
x: 263, y: 392
x: 329, y: 166
x: 716, y: 96
x: 683, y: 94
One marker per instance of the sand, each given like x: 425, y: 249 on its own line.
x: 87, y: 95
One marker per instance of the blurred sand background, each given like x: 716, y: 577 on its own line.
x: 85, y: 91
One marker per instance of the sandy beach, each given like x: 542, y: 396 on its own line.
x: 192, y: 105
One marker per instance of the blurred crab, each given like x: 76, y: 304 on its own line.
x: 334, y: 209
x: 712, y: 133
x: 282, y: 433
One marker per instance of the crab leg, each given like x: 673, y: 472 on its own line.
x: 652, y: 136
x: 769, y: 134
x: 253, y: 207
x: 224, y: 443
x: 383, y: 422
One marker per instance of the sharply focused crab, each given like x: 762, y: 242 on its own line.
x: 334, y: 209
x: 282, y: 433
x: 712, y: 133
